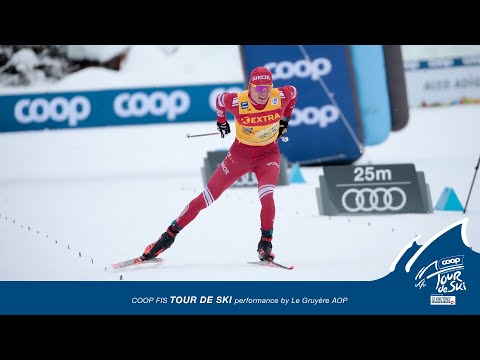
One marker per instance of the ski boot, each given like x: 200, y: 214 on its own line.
x: 264, y: 248
x: 163, y: 243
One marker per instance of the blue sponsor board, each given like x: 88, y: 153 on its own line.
x: 372, y: 87
x: 111, y: 107
x: 325, y: 126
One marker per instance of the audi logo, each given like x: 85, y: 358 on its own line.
x: 378, y: 199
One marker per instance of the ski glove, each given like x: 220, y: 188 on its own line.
x: 223, y: 128
x: 283, y: 126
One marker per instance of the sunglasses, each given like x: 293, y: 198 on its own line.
x: 261, y: 88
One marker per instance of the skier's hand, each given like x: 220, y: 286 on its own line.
x: 223, y: 128
x: 283, y: 126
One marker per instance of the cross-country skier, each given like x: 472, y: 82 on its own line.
x: 262, y: 113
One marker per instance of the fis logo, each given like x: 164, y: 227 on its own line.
x: 244, y: 104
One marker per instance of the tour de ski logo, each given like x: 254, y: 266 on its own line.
x: 445, y: 274
x: 443, y: 270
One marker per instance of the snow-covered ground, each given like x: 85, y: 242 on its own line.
x: 72, y: 202
x: 144, y: 66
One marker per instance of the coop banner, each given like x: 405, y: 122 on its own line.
x: 71, y: 110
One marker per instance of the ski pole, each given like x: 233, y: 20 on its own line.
x: 283, y: 138
x: 215, y: 133
x: 471, y: 186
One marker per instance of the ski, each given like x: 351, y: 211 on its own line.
x: 136, y: 261
x: 271, y: 264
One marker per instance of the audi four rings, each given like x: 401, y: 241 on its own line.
x: 367, y: 199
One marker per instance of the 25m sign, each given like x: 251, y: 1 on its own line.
x: 379, y: 189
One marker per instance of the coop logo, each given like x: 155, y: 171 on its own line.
x: 158, y: 103
x: 212, y: 99
x: 302, y: 69
x: 313, y: 116
x: 378, y: 199
x: 445, y: 274
x: 59, y: 109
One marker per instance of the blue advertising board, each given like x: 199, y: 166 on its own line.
x: 325, y: 125
x: 110, y: 107
x: 372, y: 88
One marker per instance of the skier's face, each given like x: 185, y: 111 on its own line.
x: 260, y: 93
